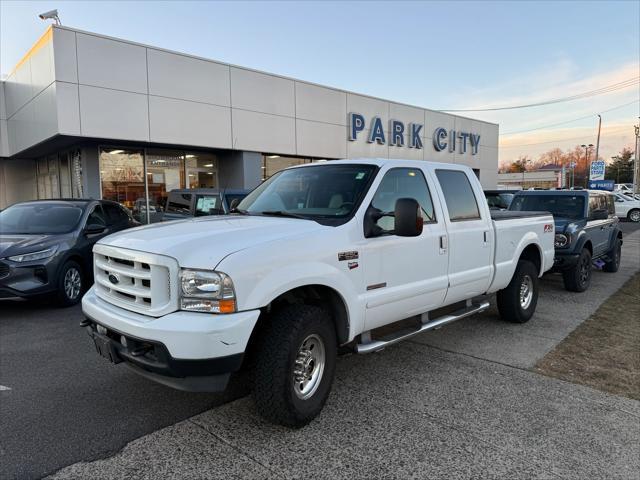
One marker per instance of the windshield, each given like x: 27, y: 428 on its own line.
x: 39, y: 218
x: 314, y: 192
x: 566, y: 206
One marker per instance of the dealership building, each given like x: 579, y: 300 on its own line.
x: 84, y: 115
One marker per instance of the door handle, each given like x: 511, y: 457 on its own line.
x: 443, y: 244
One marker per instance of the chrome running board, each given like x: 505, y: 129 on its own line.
x: 375, y: 345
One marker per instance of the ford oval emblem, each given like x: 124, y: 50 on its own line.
x: 114, y: 278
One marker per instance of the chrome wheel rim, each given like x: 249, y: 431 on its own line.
x: 308, y: 366
x: 526, y: 292
x: 634, y: 216
x: 72, y: 283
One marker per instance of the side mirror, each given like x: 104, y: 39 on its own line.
x: 94, y: 228
x: 234, y: 204
x: 408, y: 222
x: 600, y: 214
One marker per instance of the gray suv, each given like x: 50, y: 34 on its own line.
x: 46, y: 246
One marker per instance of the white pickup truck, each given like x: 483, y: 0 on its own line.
x: 316, y: 258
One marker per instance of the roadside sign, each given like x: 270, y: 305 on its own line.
x: 601, y: 185
x: 597, y: 170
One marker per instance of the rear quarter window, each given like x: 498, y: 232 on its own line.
x: 458, y: 195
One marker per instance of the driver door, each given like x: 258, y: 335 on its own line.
x: 87, y: 240
x: 404, y: 276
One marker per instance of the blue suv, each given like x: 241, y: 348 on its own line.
x: 587, y: 231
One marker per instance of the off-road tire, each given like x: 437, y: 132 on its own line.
x: 70, y: 272
x: 511, y: 304
x: 578, y: 278
x: 613, y: 263
x: 273, y: 385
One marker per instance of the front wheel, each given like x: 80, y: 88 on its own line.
x: 578, y: 278
x: 517, y: 302
x: 634, y: 215
x: 70, y: 284
x: 295, y: 365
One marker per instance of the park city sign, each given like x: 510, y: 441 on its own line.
x: 411, y: 136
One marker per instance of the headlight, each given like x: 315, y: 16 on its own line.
x: 207, y: 291
x: 39, y: 255
x: 561, y: 240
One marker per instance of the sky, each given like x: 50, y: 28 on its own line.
x: 438, y: 55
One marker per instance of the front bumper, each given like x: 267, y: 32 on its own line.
x: 28, y: 279
x: 565, y: 260
x: 185, y: 350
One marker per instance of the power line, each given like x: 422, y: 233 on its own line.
x: 570, y: 121
x: 562, y: 139
x: 600, y: 91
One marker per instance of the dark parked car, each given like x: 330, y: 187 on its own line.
x: 45, y: 245
x: 586, y: 230
x: 198, y: 202
x: 499, y: 199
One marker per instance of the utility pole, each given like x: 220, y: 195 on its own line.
x: 636, y: 163
x: 586, y: 163
x: 598, y: 140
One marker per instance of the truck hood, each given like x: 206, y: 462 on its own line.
x: 204, y: 242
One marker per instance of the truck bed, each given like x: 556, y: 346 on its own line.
x: 498, y: 215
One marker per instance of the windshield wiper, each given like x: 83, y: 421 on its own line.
x: 282, y: 213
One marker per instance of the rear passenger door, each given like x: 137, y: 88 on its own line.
x: 470, y: 236
x: 598, y: 229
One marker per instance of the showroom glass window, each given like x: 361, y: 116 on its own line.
x: 122, y: 178
x: 202, y: 170
x: 165, y: 172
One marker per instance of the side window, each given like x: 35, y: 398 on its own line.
x: 612, y: 204
x: 96, y: 217
x: 458, y: 194
x: 594, y: 204
x: 402, y: 183
x: 115, y: 214
x: 208, y: 205
x: 179, y: 203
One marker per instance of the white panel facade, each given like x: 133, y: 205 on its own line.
x: 369, y: 108
x: 320, y: 104
x: 113, y: 114
x: 259, y: 132
x: 260, y: 92
x: 45, y: 116
x: 111, y: 64
x: 64, y: 55
x: 317, y: 139
x: 42, y: 71
x: 68, y: 108
x: 189, y: 123
x: 187, y: 78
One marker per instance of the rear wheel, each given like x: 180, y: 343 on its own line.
x: 295, y: 364
x: 578, y: 278
x: 634, y: 215
x: 70, y: 284
x: 613, y: 264
x: 517, y: 302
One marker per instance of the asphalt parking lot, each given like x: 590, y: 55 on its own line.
x: 459, y: 401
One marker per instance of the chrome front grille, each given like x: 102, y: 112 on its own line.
x: 136, y: 281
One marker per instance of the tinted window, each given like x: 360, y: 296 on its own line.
x: 565, y: 206
x: 458, y: 195
x: 208, y: 205
x: 97, y: 217
x: 179, y: 203
x: 39, y: 218
x: 115, y: 214
x: 611, y: 204
x: 402, y: 183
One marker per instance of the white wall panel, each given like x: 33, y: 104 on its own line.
x: 261, y: 132
x: 19, y: 126
x: 3, y: 107
x: 179, y: 76
x: 406, y: 153
x: 64, y: 55
x: 113, y: 114
x: 45, y: 117
x: 68, y: 107
x: 320, y: 104
x: 4, y: 138
x: 42, y: 71
x: 434, y: 120
x: 321, y: 139
x: 111, y: 64
x: 363, y: 149
x: 189, y: 123
x: 406, y: 115
x: 488, y: 134
x: 369, y: 108
x: 260, y: 92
